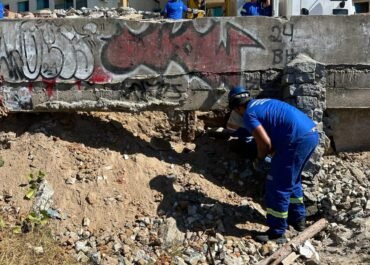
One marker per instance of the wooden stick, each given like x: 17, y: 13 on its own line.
x: 285, y: 250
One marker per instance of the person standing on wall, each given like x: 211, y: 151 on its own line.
x: 266, y: 8
x: 290, y: 136
x: 175, y: 9
x: 252, y: 8
x: 257, y: 8
x: 1, y: 10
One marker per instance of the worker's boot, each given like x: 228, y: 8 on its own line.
x: 300, y: 225
x: 264, y: 237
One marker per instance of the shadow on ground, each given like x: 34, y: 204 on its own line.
x: 211, y: 158
x: 193, y: 211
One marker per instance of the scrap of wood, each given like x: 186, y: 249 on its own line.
x: 290, y: 259
x: 285, y: 250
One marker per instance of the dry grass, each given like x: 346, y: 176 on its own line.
x: 17, y: 249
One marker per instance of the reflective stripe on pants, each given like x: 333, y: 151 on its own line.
x: 284, y: 194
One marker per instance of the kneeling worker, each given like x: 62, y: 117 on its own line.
x: 290, y: 135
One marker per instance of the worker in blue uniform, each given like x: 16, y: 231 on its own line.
x: 1, y: 10
x: 175, y: 9
x: 290, y: 136
x: 252, y: 8
x: 257, y: 8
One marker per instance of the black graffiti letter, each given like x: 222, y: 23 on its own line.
x: 278, y: 56
x: 275, y: 37
x: 285, y: 33
x: 290, y: 56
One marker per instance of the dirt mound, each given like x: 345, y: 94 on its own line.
x: 100, y: 165
x: 118, y: 178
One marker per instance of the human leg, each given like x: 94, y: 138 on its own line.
x: 278, y: 191
x: 305, y: 147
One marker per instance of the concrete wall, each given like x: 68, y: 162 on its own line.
x: 107, y: 64
x: 115, y: 64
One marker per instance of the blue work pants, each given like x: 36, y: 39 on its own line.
x: 284, y: 194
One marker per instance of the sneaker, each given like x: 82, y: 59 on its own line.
x: 300, y: 225
x: 264, y: 237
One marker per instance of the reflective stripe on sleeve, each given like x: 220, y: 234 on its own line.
x: 277, y: 214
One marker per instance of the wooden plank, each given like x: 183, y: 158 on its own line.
x: 285, y: 250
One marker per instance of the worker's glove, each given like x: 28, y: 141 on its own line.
x: 262, y: 165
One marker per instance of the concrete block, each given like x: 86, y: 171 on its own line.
x: 349, y: 78
x: 270, y: 76
x: 305, y: 77
x: 312, y: 90
x: 302, y: 67
x: 348, y: 98
x: 252, y: 80
x: 318, y: 115
x: 307, y: 102
x: 301, y: 64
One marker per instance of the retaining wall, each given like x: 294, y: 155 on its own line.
x: 113, y: 65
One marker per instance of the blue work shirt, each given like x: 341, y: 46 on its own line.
x: 1, y: 10
x: 282, y: 122
x: 251, y: 9
x: 174, y: 9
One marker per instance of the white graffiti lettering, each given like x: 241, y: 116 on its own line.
x: 45, y: 50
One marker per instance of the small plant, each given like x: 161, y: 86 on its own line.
x: 34, y: 182
x: 33, y: 219
x: 38, y: 219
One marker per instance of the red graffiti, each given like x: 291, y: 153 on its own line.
x: 30, y: 86
x: 196, y: 52
x: 49, y: 86
x: 78, y: 83
x: 100, y: 76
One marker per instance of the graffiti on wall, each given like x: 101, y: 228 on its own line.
x: 145, y: 60
x: 45, y: 50
x: 280, y: 33
x: 213, y: 47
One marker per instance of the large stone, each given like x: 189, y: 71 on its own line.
x: 359, y: 175
x: 170, y: 234
x: 301, y: 64
x: 304, y: 102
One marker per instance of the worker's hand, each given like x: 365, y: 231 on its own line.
x: 262, y: 165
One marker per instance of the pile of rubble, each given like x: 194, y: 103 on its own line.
x: 191, y: 232
x: 190, y: 228
x: 96, y: 12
